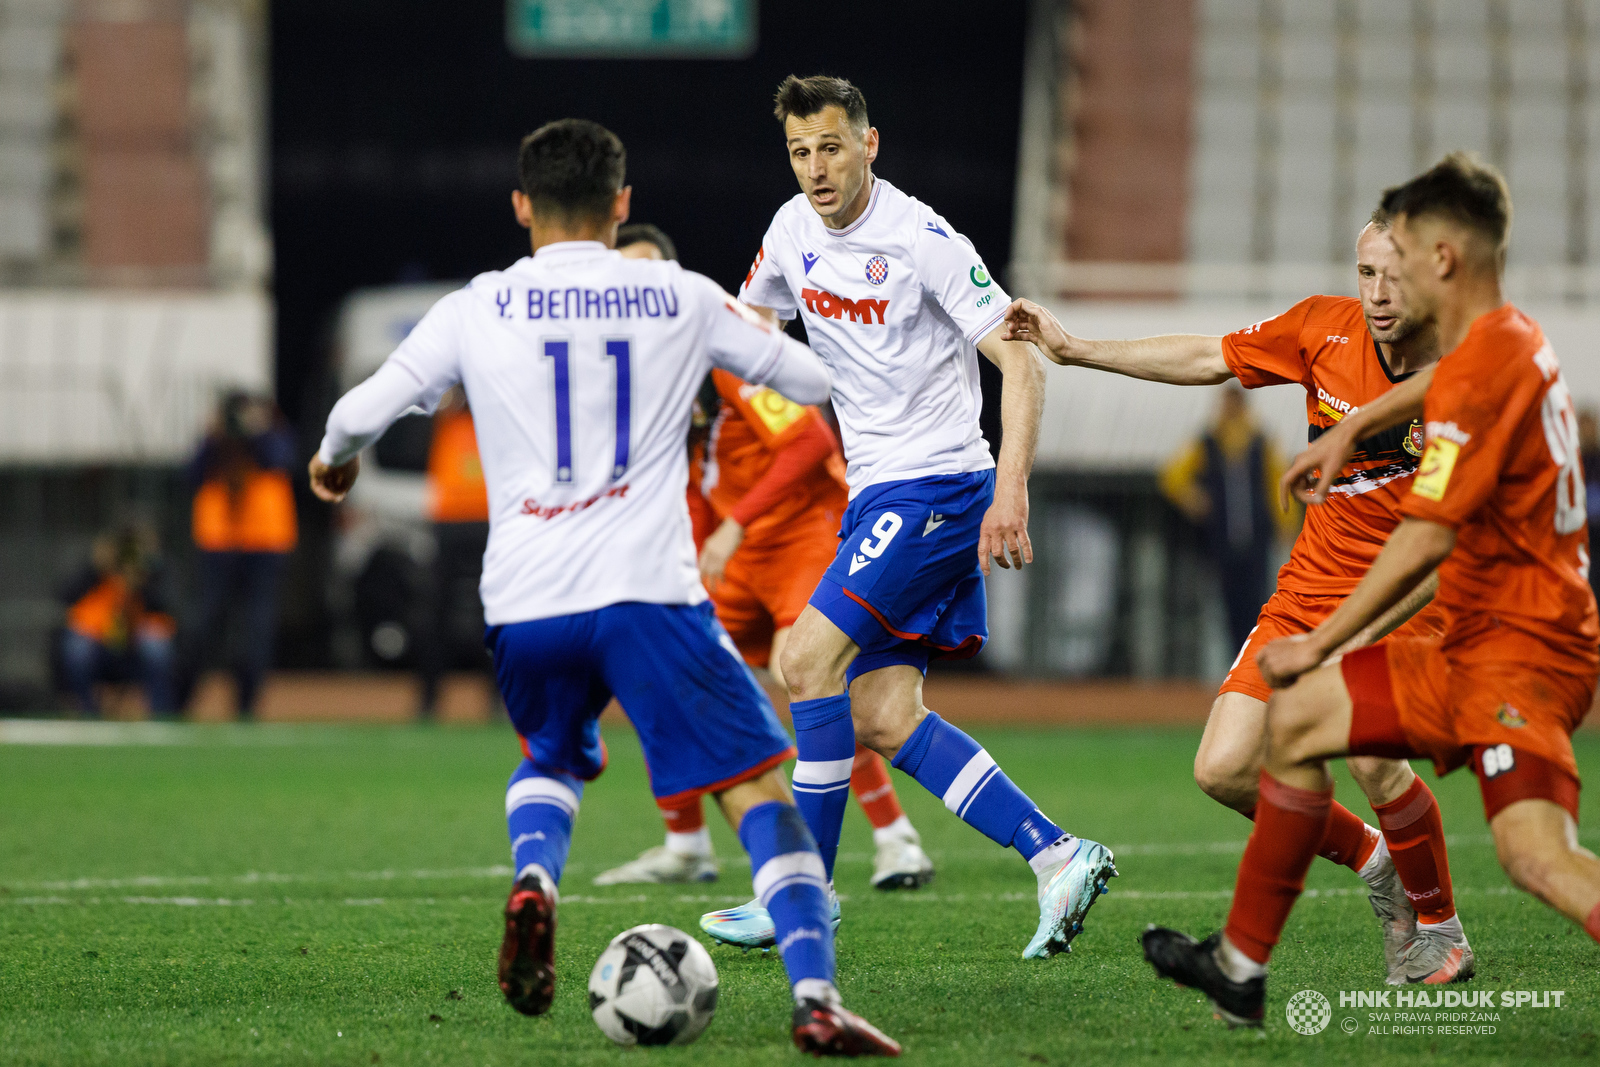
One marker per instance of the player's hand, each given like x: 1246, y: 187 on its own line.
x: 1027, y: 321
x: 332, y: 483
x: 1287, y: 658
x: 1004, y: 533
x: 1312, y: 472
x: 718, y: 549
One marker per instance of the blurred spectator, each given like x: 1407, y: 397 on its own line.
x: 244, y: 526
x: 1589, y: 446
x: 119, y: 627
x: 458, y: 506
x: 1226, y: 483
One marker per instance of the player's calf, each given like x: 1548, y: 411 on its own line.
x: 1536, y: 840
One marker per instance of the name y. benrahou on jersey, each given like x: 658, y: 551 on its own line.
x: 622, y: 302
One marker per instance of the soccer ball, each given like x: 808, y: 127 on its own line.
x: 653, y: 985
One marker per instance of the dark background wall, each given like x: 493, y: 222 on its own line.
x: 395, y: 127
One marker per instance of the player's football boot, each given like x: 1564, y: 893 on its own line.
x: 1438, y: 956
x: 1066, y: 892
x: 900, y: 863
x: 828, y: 1030
x: 528, y: 951
x: 1194, y: 964
x: 1396, y: 917
x: 659, y: 865
x: 750, y: 925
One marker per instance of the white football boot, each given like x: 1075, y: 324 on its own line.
x: 900, y: 863
x: 1067, y: 889
x: 661, y: 865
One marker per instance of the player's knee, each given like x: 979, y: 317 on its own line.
x: 1290, y: 722
x: 807, y: 677
x: 1225, y: 779
x: 1526, y: 863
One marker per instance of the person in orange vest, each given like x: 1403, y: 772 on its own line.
x: 118, y: 627
x: 458, y: 507
x: 244, y: 526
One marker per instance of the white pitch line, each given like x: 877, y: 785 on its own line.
x: 920, y: 897
x: 1191, y: 848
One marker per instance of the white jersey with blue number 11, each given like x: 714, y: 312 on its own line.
x: 580, y: 367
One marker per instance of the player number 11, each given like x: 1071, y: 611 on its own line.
x: 621, y: 351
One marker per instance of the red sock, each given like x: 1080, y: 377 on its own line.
x: 1592, y: 925
x: 1349, y: 840
x: 869, y: 781
x: 683, y: 816
x: 1415, y: 834
x: 1290, y: 824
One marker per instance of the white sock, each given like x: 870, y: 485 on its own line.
x: 551, y: 890
x: 694, y: 843
x: 899, y: 830
x: 1051, y: 855
x: 817, y: 989
x: 1372, y: 870
x: 1235, y: 964
x: 1451, y: 927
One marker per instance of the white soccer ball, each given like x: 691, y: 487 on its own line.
x: 653, y: 985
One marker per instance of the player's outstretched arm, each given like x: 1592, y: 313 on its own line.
x: 1416, y: 548
x: 1177, y: 359
x: 1004, y: 534
x: 1395, y: 617
x: 1310, y: 476
x: 746, y: 345
x: 358, y: 419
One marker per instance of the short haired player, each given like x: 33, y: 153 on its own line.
x: 1345, y: 353
x: 1498, y: 508
x: 581, y: 368
x: 766, y: 491
x: 898, y: 305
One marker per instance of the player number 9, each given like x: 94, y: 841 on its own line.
x: 884, y: 529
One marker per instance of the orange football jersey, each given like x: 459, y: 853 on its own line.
x: 1502, y: 469
x: 747, y: 433
x: 1322, y: 344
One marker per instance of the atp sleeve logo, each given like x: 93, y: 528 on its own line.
x: 761, y: 253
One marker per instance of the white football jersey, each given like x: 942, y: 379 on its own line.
x: 581, y: 367
x: 894, y: 305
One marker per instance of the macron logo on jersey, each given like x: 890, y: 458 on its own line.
x: 933, y: 227
x: 830, y: 306
x: 809, y: 259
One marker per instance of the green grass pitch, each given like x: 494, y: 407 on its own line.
x: 305, y: 895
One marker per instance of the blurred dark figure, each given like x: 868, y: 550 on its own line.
x: 119, y: 627
x: 244, y: 526
x: 458, y: 507
x: 1226, y: 483
x: 1589, y: 446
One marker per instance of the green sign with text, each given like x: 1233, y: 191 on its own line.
x: 643, y: 28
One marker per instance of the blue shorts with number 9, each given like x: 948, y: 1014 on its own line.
x: 905, y: 585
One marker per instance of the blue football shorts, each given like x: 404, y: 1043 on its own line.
x: 906, y: 584
x: 703, y: 720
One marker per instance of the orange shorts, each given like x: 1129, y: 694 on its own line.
x: 768, y: 582
x: 1286, y: 614
x: 1511, y: 719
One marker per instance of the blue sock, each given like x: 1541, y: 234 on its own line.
x: 540, y: 806
x: 949, y: 764
x: 789, y: 883
x: 826, y: 739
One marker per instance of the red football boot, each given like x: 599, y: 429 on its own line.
x: 829, y: 1030
x: 528, y: 953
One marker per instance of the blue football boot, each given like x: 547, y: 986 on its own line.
x: 1065, y: 896
x: 750, y: 925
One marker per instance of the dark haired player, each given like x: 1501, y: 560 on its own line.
x: 766, y: 490
x: 898, y: 305
x: 1345, y: 353
x: 581, y: 368
x: 1498, y: 507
